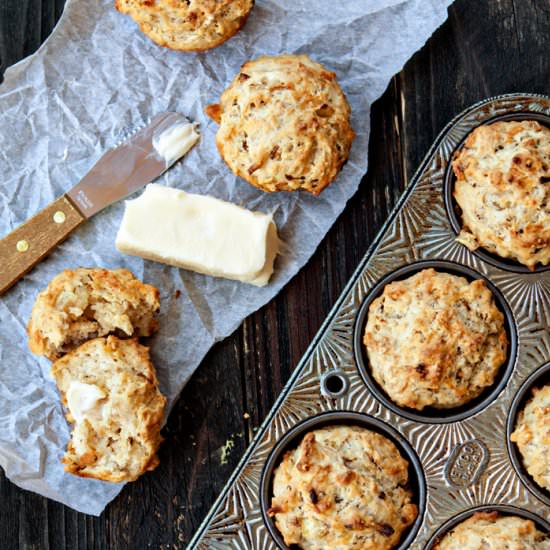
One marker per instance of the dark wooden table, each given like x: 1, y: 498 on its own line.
x: 485, y: 48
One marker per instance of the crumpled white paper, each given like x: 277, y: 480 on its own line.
x: 94, y: 79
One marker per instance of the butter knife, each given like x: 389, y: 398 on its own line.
x: 118, y: 173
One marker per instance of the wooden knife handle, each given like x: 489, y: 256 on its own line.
x: 25, y: 246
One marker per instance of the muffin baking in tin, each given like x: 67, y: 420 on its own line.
x: 529, y: 446
x: 429, y: 413
x: 494, y: 209
x: 413, y: 494
x: 469, y: 527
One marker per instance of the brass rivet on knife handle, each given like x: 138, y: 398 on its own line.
x: 24, y: 247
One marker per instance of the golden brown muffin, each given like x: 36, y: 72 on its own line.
x: 532, y: 436
x: 491, y: 531
x: 503, y: 188
x: 110, y: 389
x: 342, y: 488
x: 187, y: 25
x: 284, y: 124
x: 85, y: 303
x: 435, y: 340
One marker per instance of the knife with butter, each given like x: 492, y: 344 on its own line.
x: 117, y: 174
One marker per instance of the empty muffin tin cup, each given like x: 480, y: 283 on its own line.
x: 430, y: 414
x: 504, y: 510
x: 537, y: 379
x: 453, y: 209
x: 291, y: 440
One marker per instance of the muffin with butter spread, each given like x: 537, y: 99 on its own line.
x: 110, y: 389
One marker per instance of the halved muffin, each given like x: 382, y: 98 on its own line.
x: 80, y: 304
x: 110, y: 389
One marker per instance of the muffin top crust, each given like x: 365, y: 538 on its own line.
x: 343, y: 488
x: 532, y: 436
x: 187, y: 25
x: 284, y: 124
x: 491, y: 531
x: 503, y: 189
x: 435, y: 340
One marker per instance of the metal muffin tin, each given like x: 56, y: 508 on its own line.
x: 465, y: 458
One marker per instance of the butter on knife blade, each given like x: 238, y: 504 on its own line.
x: 173, y: 142
x: 199, y: 233
x: 142, y: 158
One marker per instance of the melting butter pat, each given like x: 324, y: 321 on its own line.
x: 83, y: 400
x: 199, y: 233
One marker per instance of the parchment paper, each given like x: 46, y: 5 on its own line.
x: 94, y: 79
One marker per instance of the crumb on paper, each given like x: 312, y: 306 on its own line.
x: 177, y: 294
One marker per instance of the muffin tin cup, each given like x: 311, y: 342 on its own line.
x: 429, y: 414
x: 538, y: 379
x: 337, y: 418
x: 504, y: 510
x: 453, y: 210
x: 459, y: 458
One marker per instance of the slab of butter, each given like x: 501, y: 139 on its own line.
x: 199, y: 233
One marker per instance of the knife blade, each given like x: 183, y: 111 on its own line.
x: 118, y: 173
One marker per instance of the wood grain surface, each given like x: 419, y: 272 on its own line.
x: 485, y: 48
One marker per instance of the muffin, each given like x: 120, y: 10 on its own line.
x: 532, y: 436
x: 343, y: 487
x: 190, y: 25
x: 435, y: 340
x: 502, y: 187
x: 284, y: 124
x: 85, y: 303
x: 110, y: 389
x: 491, y: 531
